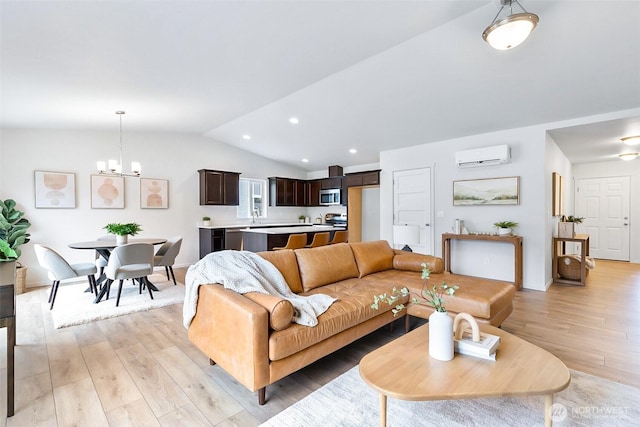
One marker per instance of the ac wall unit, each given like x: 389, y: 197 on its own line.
x: 485, y: 156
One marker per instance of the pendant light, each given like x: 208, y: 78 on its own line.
x: 114, y: 167
x: 510, y: 31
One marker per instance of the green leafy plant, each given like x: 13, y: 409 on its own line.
x: 505, y: 224
x: 571, y: 218
x: 123, y: 229
x: 206, y: 218
x: 13, y: 230
x: 433, y: 296
x: 302, y: 217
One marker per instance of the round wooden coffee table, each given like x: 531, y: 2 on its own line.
x: 404, y: 370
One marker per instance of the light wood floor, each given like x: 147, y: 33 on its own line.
x: 140, y: 369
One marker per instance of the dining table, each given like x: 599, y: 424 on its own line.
x: 104, y: 248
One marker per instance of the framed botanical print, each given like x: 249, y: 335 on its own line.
x: 154, y: 193
x: 55, y: 189
x: 107, y: 192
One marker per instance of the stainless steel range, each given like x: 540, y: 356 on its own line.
x: 338, y: 220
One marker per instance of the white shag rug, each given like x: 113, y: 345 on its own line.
x: 348, y: 401
x: 73, y: 306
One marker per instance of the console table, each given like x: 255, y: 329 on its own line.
x: 516, y: 241
x: 583, y: 239
x: 8, y: 320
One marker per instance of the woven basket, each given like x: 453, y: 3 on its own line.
x: 569, y: 267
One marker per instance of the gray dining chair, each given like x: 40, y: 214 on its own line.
x: 101, y: 262
x: 166, y: 256
x: 131, y: 261
x: 59, y: 269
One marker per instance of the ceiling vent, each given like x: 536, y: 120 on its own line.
x: 486, y: 156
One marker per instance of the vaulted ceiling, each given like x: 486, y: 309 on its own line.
x: 369, y: 75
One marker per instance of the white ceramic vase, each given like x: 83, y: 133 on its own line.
x: 122, y: 240
x: 440, y: 336
x: 206, y: 223
x: 504, y: 231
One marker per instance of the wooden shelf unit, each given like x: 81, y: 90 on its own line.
x: 516, y: 241
x: 583, y: 239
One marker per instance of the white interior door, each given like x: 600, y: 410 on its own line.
x: 412, y: 205
x: 604, y: 203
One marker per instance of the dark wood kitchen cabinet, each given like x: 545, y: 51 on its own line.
x: 287, y: 192
x: 361, y: 179
x: 211, y: 240
x: 313, y: 198
x: 219, y: 187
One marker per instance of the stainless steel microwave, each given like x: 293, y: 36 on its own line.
x: 330, y: 197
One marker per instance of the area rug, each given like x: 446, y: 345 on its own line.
x: 348, y: 401
x: 73, y: 306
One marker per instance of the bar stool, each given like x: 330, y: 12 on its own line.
x: 340, y: 236
x: 295, y: 241
x: 319, y: 239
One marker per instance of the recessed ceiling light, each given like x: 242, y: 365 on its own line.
x: 628, y: 156
x: 631, y: 140
x: 305, y: 160
x: 245, y: 136
x: 294, y: 120
x: 353, y: 151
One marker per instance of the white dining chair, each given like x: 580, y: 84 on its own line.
x: 59, y: 269
x: 131, y: 261
x: 166, y: 256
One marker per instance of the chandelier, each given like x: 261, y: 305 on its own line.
x: 512, y: 30
x: 114, y: 167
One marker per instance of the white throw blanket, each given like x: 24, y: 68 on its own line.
x: 243, y: 272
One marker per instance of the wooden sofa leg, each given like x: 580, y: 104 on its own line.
x: 261, y: 395
x: 406, y: 323
x: 211, y: 362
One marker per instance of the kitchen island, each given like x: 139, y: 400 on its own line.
x: 265, y: 239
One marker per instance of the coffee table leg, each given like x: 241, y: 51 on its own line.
x: 383, y: 410
x: 548, y: 403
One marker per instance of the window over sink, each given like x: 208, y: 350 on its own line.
x: 253, y: 198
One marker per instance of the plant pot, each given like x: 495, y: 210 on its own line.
x: 566, y: 229
x: 122, y: 240
x: 440, y: 336
x: 206, y: 223
x: 504, y: 231
x: 7, y: 273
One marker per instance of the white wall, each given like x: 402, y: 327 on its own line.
x: 175, y: 157
x: 483, y: 259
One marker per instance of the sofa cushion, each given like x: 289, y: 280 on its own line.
x: 280, y: 310
x: 411, y: 261
x: 481, y: 298
x: 286, y: 262
x: 325, y: 264
x: 352, y: 308
x: 373, y: 256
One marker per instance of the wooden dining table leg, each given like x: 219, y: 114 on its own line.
x: 383, y: 410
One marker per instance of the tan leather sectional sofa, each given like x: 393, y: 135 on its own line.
x: 252, y: 338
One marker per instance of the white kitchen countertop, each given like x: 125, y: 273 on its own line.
x: 263, y: 225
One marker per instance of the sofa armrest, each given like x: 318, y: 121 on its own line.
x: 411, y: 261
x: 234, y: 332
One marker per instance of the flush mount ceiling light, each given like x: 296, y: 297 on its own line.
x: 628, y: 156
x: 114, y: 167
x: 246, y: 136
x: 631, y: 140
x: 506, y: 33
x: 294, y: 120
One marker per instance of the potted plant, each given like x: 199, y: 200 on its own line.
x: 505, y: 227
x: 302, y: 218
x: 440, y: 324
x: 566, y: 226
x: 206, y: 221
x: 122, y: 231
x: 13, y: 234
